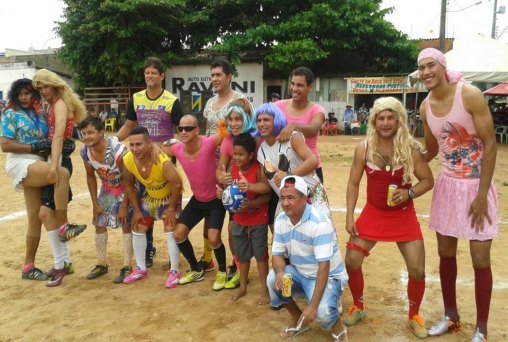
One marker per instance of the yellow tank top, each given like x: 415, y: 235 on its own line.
x: 157, y: 186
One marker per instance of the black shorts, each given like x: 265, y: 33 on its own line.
x: 48, y: 191
x: 195, y: 211
x: 250, y: 241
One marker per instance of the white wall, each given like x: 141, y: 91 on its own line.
x: 198, y: 77
x: 10, y: 72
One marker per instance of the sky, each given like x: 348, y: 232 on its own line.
x: 417, y: 18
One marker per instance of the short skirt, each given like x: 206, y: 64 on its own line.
x: 401, y: 225
x: 16, y: 166
x: 451, y: 200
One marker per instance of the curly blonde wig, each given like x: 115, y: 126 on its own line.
x: 403, y: 141
x: 45, y: 77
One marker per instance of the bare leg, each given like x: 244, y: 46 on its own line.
x: 244, y: 276
x: 33, y: 235
x: 264, y: 296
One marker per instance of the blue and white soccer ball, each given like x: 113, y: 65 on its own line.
x: 232, y: 198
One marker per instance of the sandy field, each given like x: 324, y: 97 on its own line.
x: 99, y: 310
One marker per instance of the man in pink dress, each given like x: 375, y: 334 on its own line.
x: 457, y: 124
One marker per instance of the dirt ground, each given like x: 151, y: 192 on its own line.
x: 86, y: 310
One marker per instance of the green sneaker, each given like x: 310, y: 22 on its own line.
x: 417, y: 327
x: 191, y: 277
x: 234, y: 282
x: 220, y: 281
x: 353, y: 316
x: 99, y: 270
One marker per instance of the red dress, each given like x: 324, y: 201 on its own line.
x: 380, y: 222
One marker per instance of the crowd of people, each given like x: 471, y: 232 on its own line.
x: 271, y: 154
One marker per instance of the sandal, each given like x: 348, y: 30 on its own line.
x: 342, y: 334
x: 293, y: 332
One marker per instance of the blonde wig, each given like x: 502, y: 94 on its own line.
x: 45, y: 77
x: 402, y: 140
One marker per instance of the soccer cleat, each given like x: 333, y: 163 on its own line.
x: 150, y: 256
x: 234, y: 282
x: 70, y: 230
x: 207, y: 266
x: 173, y: 278
x: 444, y: 325
x: 68, y: 267
x: 191, y: 276
x: 34, y: 274
x: 417, y: 327
x: 57, y: 276
x: 135, y: 276
x: 220, y: 281
x: 231, y: 271
x: 99, y: 270
x: 354, y: 315
x: 124, y: 272
x: 478, y: 336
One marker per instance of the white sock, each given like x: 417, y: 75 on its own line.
x: 139, y: 246
x: 58, y: 251
x: 127, y: 249
x: 65, y: 248
x: 173, y: 251
x: 101, y: 246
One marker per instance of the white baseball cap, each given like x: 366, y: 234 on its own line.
x: 299, y: 184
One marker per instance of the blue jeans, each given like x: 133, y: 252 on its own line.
x: 327, y: 313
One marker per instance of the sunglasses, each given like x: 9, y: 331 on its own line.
x: 186, y: 128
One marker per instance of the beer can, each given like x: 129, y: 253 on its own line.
x: 287, y: 284
x: 391, y: 190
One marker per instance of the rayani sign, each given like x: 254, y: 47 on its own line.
x: 197, y: 79
x: 380, y: 85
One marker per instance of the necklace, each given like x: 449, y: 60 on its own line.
x: 388, y: 164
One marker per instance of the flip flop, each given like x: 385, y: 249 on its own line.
x: 293, y: 332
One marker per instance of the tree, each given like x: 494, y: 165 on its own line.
x: 106, y: 41
x: 346, y: 36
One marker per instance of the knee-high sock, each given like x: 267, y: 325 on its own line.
x: 220, y: 256
x: 173, y: 251
x: 483, y: 293
x: 139, y: 246
x: 415, y: 291
x: 101, y: 246
x: 67, y: 255
x: 356, y: 287
x: 127, y: 249
x: 187, y: 251
x: 448, y: 277
x: 207, y: 250
x: 57, y: 248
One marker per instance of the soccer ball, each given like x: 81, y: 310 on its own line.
x: 232, y: 198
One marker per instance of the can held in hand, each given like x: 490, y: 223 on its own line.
x: 391, y: 190
x: 287, y: 284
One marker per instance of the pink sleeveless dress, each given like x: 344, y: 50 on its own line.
x: 461, y: 154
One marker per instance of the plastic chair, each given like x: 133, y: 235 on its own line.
x: 501, y: 131
x: 110, y: 123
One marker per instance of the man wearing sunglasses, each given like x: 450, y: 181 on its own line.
x: 159, y: 111
x: 196, y: 155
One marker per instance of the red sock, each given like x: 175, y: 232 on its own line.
x: 28, y: 267
x: 356, y: 286
x: 448, y: 276
x: 483, y: 294
x: 415, y: 291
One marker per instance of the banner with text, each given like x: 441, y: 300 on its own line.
x: 382, y: 85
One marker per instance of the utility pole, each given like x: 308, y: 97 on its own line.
x: 493, y: 35
x: 442, y: 26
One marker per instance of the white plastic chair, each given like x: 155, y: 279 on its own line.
x: 501, y: 132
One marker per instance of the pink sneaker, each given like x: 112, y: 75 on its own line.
x: 135, y: 276
x: 172, y: 280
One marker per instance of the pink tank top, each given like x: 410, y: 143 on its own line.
x: 304, y: 120
x: 460, y: 147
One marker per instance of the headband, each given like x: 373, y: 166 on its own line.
x: 452, y: 76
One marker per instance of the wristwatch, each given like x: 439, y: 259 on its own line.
x: 410, y: 193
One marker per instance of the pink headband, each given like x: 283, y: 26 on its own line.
x: 452, y: 76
